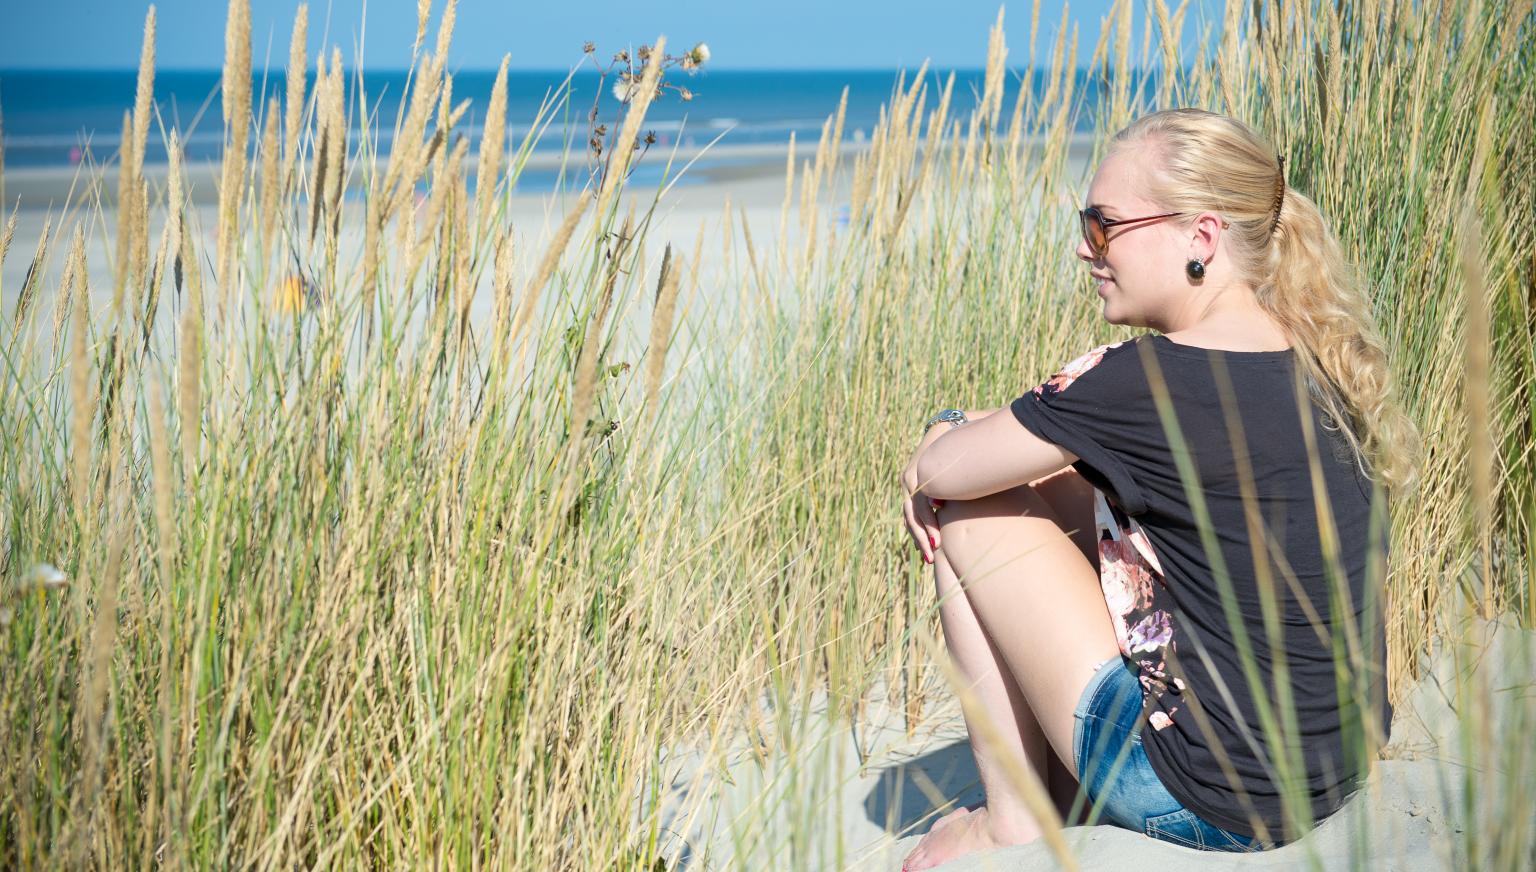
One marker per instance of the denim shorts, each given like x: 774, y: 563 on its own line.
x: 1120, y: 783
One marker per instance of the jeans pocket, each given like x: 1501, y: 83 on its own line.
x: 1179, y: 827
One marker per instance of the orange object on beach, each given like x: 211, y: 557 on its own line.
x: 291, y: 293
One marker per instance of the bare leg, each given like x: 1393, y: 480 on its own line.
x: 1030, y: 586
x: 1070, y: 498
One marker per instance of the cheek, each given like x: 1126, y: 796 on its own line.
x: 1141, y: 265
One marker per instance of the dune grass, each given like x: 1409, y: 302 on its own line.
x: 416, y: 555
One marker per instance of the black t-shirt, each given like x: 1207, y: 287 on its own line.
x: 1204, y: 731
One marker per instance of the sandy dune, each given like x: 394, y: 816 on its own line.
x: 816, y: 807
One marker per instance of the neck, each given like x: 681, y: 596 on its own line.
x: 1227, y: 305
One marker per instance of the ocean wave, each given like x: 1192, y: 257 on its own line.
x: 61, y: 149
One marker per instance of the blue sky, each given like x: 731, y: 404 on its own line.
x: 815, y: 34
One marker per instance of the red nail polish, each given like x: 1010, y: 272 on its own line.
x: 932, y: 543
x: 928, y: 559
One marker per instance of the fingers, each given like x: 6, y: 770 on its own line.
x: 922, y: 518
x: 916, y: 528
x: 931, y: 520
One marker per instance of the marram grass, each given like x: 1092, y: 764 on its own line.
x: 357, y: 578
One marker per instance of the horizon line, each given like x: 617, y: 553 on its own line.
x: 4, y: 70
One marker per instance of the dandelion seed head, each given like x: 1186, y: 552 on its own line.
x: 45, y: 576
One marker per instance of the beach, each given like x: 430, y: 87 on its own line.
x: 406, y: 491
x: 845, y: 787
x: 731, y: 187
x: 876, y: 783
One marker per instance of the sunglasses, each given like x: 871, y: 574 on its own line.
x: 1096, y: 227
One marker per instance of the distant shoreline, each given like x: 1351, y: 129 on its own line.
x: 43, y: 188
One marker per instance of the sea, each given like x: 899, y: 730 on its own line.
x: 59, y: 118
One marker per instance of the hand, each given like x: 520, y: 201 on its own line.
x: 921, y: 513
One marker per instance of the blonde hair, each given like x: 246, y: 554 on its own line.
x: 1280, y: 243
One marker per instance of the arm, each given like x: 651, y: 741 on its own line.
x: 973, y: 417
x: 991, y: 452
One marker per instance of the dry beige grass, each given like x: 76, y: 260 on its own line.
x: 357, y: 585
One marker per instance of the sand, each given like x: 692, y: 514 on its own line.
x: 816, y: 807
x: 753, y: 187
x: 748, y: 181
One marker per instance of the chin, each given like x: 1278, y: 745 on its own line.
x: 1114, y: 313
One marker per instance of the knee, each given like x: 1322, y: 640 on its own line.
x: 1023, y: 500
x: 965, y: 524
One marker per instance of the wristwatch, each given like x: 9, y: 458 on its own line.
x: 955, y: 417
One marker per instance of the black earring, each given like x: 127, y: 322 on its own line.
x: 1196, y: 269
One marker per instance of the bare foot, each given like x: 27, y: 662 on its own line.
x: 953, y: 813
x: 962, y: 835
x: 939, y: 824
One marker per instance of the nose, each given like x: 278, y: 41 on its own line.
x: 1083, y: 251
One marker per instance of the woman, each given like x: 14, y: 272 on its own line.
x: 1138, y: 606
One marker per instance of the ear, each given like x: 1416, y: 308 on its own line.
x: 1205, y: 234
